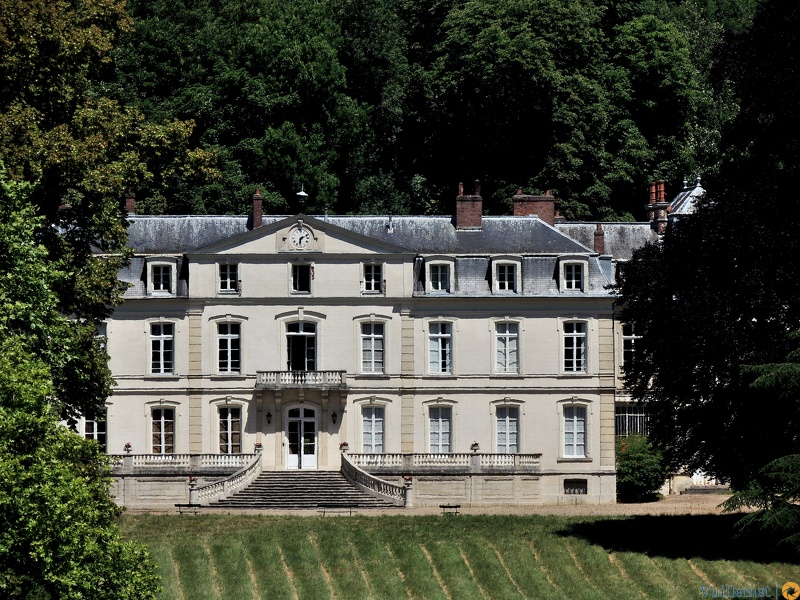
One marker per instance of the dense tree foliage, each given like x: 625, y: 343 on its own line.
x: 57, y: 536
x: 383, y: 105
x: 82, y: 149
x: 641, y: 470
x: 717, y: 302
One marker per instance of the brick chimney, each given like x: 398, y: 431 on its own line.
x: 661, y: 206
x: 599, y: 240
x: 469, y: 209
x: 651, y: 207
x: 130, y: 202
x: 542, y: 206
x: 258, y: 202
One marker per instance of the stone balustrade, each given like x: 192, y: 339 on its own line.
x: 453, y: 463
x: 301, y: 379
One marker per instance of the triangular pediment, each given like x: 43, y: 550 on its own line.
x: 299, y: 234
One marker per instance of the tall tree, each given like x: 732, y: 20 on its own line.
x: 717, y: 300
x: 57, y: 533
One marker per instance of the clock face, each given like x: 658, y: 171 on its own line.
x: 300, y: 237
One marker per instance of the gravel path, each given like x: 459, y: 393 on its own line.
x: 687, y: 504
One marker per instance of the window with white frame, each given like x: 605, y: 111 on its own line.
x: 440, y: 347
x: 163, y: 428
x: 440, y: 429
x: 229, y: 343
x: 575, y: 346
x: 301, y: 346
x: 574, y: 431
x: 230, y: 430
x: 302, y: 274
x: 439, y: 280
x: 507, y: 429
x: 506, y: 278
x: 573, y: 277
x: 162, y: 341
x: 162, y: 278
x: 506, y: 347
x: 372, y: 429
x: 373, y: 279
x: 372, y: 345
x: 228, y: 278
x: 629, y: 338
x: 94, y: 428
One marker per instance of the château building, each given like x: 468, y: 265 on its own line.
x: 469, y: 359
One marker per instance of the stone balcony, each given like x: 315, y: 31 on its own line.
x: 472, y: 463
x: 178, y: 464
x: 318, y: 380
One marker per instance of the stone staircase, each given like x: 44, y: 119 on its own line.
x: 300, y: 490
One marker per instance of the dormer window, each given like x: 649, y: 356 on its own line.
x: 572, y: 274
x: 506, y: 275
x: 161, y: 277
x: 440, y: 278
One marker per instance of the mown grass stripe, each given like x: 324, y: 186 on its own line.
x: 360, y: 567
x: 506, y: 570
x: 400, y: 574
x: 195, y: 576
x: 472, y: 573
x: 649, y: 577
x: 228, y: 557
x: 699, y: 572
x: 339, y: 563
x: 545, y: 572
x: 313, y: 541
x: 289, y: 574
x: 213, y: 569
x: 420, y: 576
x: 443, y: 587
x: 578, y: 565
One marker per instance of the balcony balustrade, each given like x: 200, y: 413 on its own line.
x: 321, y: 380
x: 454, y: 463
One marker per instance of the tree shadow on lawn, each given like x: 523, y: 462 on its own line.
x: 711, y: 537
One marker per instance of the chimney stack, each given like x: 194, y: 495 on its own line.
x: 542, y: 206
x: 130, y: 202
x: 469, y: 209
x: 599, y: 240
x: 258, y: 202
x: 661, y: 206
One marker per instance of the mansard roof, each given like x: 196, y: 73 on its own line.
x: 417, y: 234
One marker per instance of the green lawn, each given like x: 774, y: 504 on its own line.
x: 454, y: 557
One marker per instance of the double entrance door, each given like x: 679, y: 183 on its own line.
x: 301, y: 434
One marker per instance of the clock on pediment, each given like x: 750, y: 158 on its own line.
x: 300, y: 237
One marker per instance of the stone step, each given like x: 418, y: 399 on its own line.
x: 300, y: 490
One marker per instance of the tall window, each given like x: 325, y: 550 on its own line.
x: 507, y: 429
x: 440, y: 278
x: 372, y: 429
x: 440, y: 347
x: 372, y: 347
x: 230, y: 430
x: 161, y: 347
x: 229, y: 344
x: 94, y: 428
x: 162, y: 278
x: 629, y: 338
x: 163, y: 426
x: 507, y: 348
x: 573, y: 277
x: 507, y: 278
x: 301, y: 346
x: 440, y: 418
x: 575, y: 347
x: 373, y: 278
x: 575, y: 431
x: 301, y: 278
x: 229, y: 278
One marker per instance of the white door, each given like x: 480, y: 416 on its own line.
x: 301, y: 438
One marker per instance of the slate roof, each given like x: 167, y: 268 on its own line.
x: 421, y: 235
x: 621, y: 239
x: 685, y: 203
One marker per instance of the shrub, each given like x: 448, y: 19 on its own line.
x: 640, y: 469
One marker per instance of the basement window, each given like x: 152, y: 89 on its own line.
x: 576, y: 487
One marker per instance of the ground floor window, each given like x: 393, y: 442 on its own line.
x: 507, y: 429
x: 372, y: 429
x: 94, y: 428
x: 631, y: 419
x: 230, y: 430
x: 440, y: 419
x: 575, y: 431
x: 163, y: 427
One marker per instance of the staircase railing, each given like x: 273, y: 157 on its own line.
x: 397, y: 494
x: 220, y: 490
